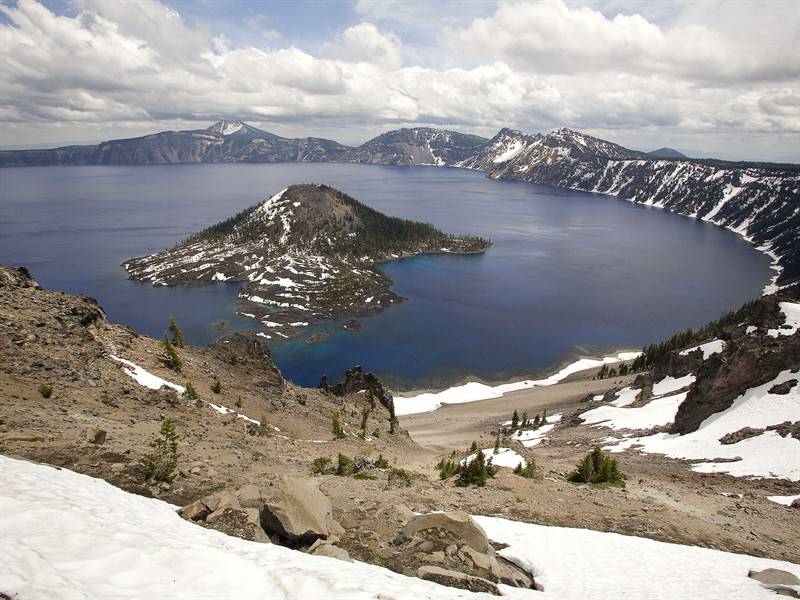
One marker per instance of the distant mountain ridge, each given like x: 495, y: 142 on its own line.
x: 760, y: 201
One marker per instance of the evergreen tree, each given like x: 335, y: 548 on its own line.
x: 171, y: 358
x: 597, y: 467
x: 177, y: 334
x: 364, y: 417
x: 497, y: 444
x: 336, y: 426
x: 514, y: 420
x: 216, y: 387
x: 190, y: 392
x: 392, y: 417
x: 159, y: 465
x: 524, y: 424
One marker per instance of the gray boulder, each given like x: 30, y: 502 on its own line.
x: 299, y: 514
x: 457, y: 579
x: 458, y: 523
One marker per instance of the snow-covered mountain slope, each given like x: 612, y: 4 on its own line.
x: 504, y: 146
x: 306, y: 253
x: 762, y: 203
x: 67, y: 535
x: 420, y: 146
x: 731, y: 404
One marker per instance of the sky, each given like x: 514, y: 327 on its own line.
x: 710, y: 78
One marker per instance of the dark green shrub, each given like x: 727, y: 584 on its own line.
x: 321, y: 466
x: 529, y: 471
x: 216, y: 387
x: 344, y: 465
x: 46, y: 390
x: 381, y: 463
x: 171, y: 358
x: 399, y: 477
x: 336, y: 426
x: 364, y: 475
x: 190, y: 392
x: 597, y: 467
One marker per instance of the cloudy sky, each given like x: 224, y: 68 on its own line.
x: 712, y: 78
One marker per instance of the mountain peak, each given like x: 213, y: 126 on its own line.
x: 225, y: 127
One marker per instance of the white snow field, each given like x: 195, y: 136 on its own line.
x: 474, y: 391
x: 785, y: 500
x: 593, y: 565
x: 64, y: 535
x: 791, y: 311
x: 709, y: 348
x: 764, y: 455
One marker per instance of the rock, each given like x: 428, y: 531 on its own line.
x: 456, y: 579
x: 195, y: 470
x: 402, y: 512
x: 196, y: 511
x: 221, y: 501
x: 331, y: 551
x: 23, y: 435
x: 300, y: 514
x: 254, y: 518
x: 95, y: 436
x: 795, y: 503
x: 250, y: 496
x: 482, y: 561
x: 774, y: 577
x: 436, y: 558
x: 426, y: 546
x: 458, y: 523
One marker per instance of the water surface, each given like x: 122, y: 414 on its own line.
x: 569, y: 272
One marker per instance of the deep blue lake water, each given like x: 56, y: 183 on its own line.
x: 570, y: 273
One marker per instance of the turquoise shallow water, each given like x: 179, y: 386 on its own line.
x: 569, y: 273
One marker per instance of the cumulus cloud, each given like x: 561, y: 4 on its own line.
x: 534, y: 66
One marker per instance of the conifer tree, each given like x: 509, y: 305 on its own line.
x: 336, y: 426
x: 159, y: 465
x: 177, y: 334
x: 497, y: 444
x: 515, y: 420
x: 190, y: 392
x: 171, y: 358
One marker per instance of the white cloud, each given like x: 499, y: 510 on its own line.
x: 707, y: 82
x: 365, y: 43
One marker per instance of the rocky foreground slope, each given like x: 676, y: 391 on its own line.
x: 307, y: 253
x: 78, y: 392
x: 760, y: 201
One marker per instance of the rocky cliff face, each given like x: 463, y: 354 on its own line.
x: 760, y: 202
x: 420, y: 146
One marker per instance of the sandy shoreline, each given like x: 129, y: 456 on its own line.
x: 473, y: 389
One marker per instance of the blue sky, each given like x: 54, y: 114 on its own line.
x: 717, y: 78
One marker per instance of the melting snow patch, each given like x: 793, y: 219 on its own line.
x: 580, y: 563
x: 709, y: 348
x: 792, y: 312
x: 785, y: 500
x: 625, y: 397
x: 506, y: 457
x: 146, y: 378
x: 765, y: 455
x: 656, y: 412
x: 671, y: 384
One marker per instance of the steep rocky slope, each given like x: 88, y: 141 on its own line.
x: 760, y: 202
x: 420, y: 146
x: 307, y: 253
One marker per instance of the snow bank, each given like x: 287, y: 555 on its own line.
x: 474, y: 391
x: 579, y: 563
x: 765, y: 455
x: 506, y: 457
x: 792, y: 312
x: 672, y: 384
x: 73, y: 536
x: 653, y: 414
x: 709, y: 348
x: 534, y: 437
x: 785, y: 500
x: 625, y: 397
x: 146, y: 378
